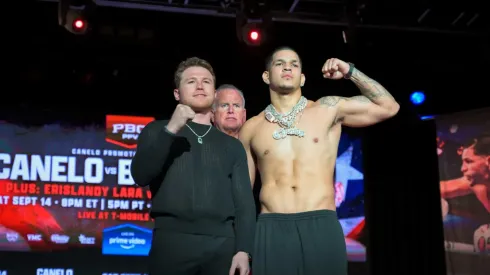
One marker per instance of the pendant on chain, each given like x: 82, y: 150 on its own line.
x: 283, y: 133
x: 199, y: 140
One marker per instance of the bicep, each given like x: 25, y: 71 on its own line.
x: 359, y: 111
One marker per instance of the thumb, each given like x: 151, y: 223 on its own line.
x: 233, y: 268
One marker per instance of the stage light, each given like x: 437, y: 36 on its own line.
x: 254, y: 35
x: 426, y: 117
x: 417, y: 97
x: 253, y: 24
x: 78, y: 24
x: 73, y: 17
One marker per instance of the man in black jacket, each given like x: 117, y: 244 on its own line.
x: 202, y: 204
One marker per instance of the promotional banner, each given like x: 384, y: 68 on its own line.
x: 464, y: 169
x: 64, y: 187
x: 70, y: 187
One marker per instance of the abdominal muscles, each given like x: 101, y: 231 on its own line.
x: 296, y: 186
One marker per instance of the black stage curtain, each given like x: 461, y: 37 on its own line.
x: 403, y: 209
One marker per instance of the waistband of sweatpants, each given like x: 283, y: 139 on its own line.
x: 298, y: 216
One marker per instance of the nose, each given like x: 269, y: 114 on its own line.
x: 199, y: 85
x: 230, y: 110
x: 464, y: 168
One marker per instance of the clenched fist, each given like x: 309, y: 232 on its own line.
x: 181, y: 115
x: 335, y: 69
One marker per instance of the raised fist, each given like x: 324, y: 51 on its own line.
x: 181, y: 115
x: 335, y: 69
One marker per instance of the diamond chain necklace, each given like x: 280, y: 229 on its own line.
x: 286, y: 121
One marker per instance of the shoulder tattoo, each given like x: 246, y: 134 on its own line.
x: 360, y: 98
x: 330, y: 101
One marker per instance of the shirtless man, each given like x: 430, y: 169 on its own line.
x: 298, y: 231
x: 476, y: 175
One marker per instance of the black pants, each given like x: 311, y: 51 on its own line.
x: 309, y: 243
x: 186, y: 254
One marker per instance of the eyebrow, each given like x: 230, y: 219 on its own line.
x: 282, y: 60
x: 193, y: 77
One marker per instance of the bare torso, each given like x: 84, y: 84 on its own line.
x: 297, y: 173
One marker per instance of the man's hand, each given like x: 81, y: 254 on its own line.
x: 240, y: 262
x: 181, y: 115
x: 335, y: 69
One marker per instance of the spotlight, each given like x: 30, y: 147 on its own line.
x: 417, y: 97
x: 79, y: 25
x: 73, y: 18
x: 252, y: 34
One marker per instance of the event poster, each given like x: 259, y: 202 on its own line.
x: 66, y: 187
x: 463, y: 149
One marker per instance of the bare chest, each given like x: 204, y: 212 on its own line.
x: 316, y: 140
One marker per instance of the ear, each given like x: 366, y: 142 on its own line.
x: 244, y: 116
x: 265, y: 77
x: 212, y: 117
x: 303, y: 79
x: 177, y: 94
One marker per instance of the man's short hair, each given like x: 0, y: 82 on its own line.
x: 268, y: 61
x: 231, y: 87
x: 192, y: 62
x: 481, y: 145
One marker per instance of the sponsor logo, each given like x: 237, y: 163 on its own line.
x: 54, y: 271
x: 86, y: 240
x: 34, y: 237
x: 60, y: 239
x: 124, y: 130
x: 12, y: 236
x: 126, y: 239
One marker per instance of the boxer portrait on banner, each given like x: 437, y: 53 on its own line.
x: 476, y: 174
x: 202, y: 199
x: 293, y: 145
x: 465, y: 200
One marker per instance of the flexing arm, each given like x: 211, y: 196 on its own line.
x: 374, y: 105
x: 455, y: 188
x: 154, y: 144
x: 244, y: 202
x: 245, y: 137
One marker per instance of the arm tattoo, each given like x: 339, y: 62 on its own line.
x: 370, y: 88
x: 330, y: 101
x: 360, y: 98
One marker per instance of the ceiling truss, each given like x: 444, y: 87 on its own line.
x: 363, y: 14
